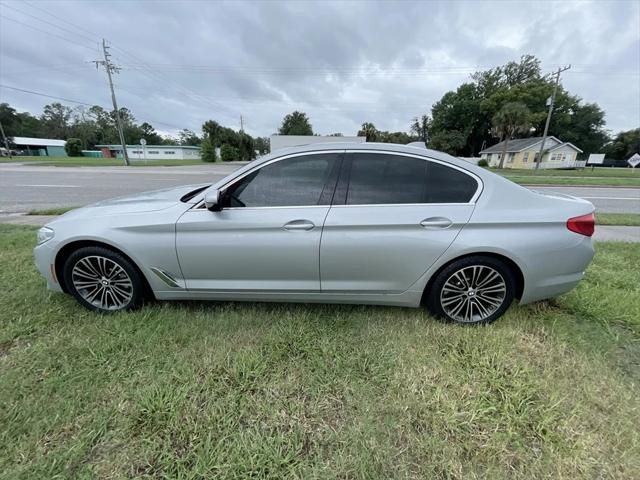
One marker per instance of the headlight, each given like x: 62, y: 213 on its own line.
x: 44, y: 235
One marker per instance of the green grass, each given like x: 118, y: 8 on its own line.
x: 629, y: 219
x: 600, y: 176
x: 95, y: 162
x: 50, y: 211
x: 231, y: 390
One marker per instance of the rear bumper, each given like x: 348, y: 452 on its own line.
x: 558, y: 271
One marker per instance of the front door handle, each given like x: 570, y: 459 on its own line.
x: 436, y: 223
x: 299, y: 225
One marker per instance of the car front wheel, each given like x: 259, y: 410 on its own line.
x: 472, y: 290
x: 103, y: 280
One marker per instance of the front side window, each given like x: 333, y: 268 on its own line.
x: 397, y: 179
x: 297, y: 181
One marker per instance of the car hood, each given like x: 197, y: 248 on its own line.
x: 139, y: 203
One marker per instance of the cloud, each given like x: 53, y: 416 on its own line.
x: 343, y: 63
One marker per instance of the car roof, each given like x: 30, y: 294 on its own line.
x: 372, y: 146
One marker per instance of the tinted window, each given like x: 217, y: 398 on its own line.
x: 396, y: 179
x: 448, y: 185
x: 295, y: 181
x: 377, y: 179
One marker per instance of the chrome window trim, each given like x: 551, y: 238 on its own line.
x: 472, y: 201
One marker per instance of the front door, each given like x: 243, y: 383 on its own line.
x: 266, y: 238
x: 394, y: 216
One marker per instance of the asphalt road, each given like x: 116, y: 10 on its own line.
x: 24, y: 188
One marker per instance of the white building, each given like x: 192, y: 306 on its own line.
x: 152, y: 152
x: 276, y: 142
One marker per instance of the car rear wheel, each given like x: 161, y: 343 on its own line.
x: 103, y: 280
x: 472, y: 290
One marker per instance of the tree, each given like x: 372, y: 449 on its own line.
x: 470, y: 108
x: 73, y: 147
x: 368, y: 130
x: 55, y: 119
x: 228, y: 153
x: 187, y: 137
x: 451, y: 141
x: 513, y: 118
x: 262, y: 145
x: 420, y: 127
x: 296, y: 123
x: 246, y: 147
x: 624, y: 145
x: 149, y: 134
x: 208, y: 150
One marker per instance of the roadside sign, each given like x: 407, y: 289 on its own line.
x: 634, y: 160
x: 143, y: 141
x: 596, y: 159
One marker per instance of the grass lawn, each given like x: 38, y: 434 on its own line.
x: 231, y: 390
x: 96, y: 162
x: 629, y: 219
x: 50, y: 211
x: 621, y: 177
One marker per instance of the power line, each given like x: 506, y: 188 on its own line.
x: 59, y: 18
x: 48, y: 33
x: 31, y: 92
x: 48, y: 22
x: 45, y: 95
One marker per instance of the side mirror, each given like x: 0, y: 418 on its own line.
x: 212, y: 200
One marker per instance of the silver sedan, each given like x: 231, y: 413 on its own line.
x: 336, y: 223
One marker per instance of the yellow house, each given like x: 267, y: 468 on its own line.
x: 523, y: 153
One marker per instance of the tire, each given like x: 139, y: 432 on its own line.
x: 454, y: 294
x: 103, y: 280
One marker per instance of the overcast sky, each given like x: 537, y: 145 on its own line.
x: 343, y: 63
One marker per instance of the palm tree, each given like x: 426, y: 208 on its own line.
x: 511, y: 119
x: 368, y: 130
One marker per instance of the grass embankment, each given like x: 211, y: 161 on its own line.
x: 199, y: 390
x: 50, y: 211
x: 600, y: 176
x: 626, y: 219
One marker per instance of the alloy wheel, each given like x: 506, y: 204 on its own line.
x: 102, y: 282
x: 472, y: 294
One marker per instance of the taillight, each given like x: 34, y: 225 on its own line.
x: 584, y: 224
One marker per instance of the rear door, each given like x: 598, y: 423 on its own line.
x: 393, y: 216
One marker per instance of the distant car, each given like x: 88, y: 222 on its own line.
x: 336, y: 223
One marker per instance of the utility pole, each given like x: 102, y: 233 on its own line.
x: 6, y: 142
x: 551, y: 103
x: 111, y: 68
x: 241, y: 124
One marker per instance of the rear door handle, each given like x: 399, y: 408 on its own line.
x: 436, y: 223
x: 299, y: 225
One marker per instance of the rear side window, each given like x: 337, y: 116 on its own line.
x: 297, y: 181
x: 448, y: 185
x: 396, y: 179
x: 379, y: 179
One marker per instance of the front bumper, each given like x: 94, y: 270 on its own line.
x: 44, y: 256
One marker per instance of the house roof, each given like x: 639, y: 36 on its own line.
x: 566, y: 144
x: 38, y: 142
x: 515, y: 145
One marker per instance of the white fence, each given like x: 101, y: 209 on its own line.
x: 563, y: 164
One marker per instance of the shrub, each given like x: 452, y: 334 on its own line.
x: 483, y: 163
x: 208, y: 151
x: 73, y: 147
x: 228, y: 153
